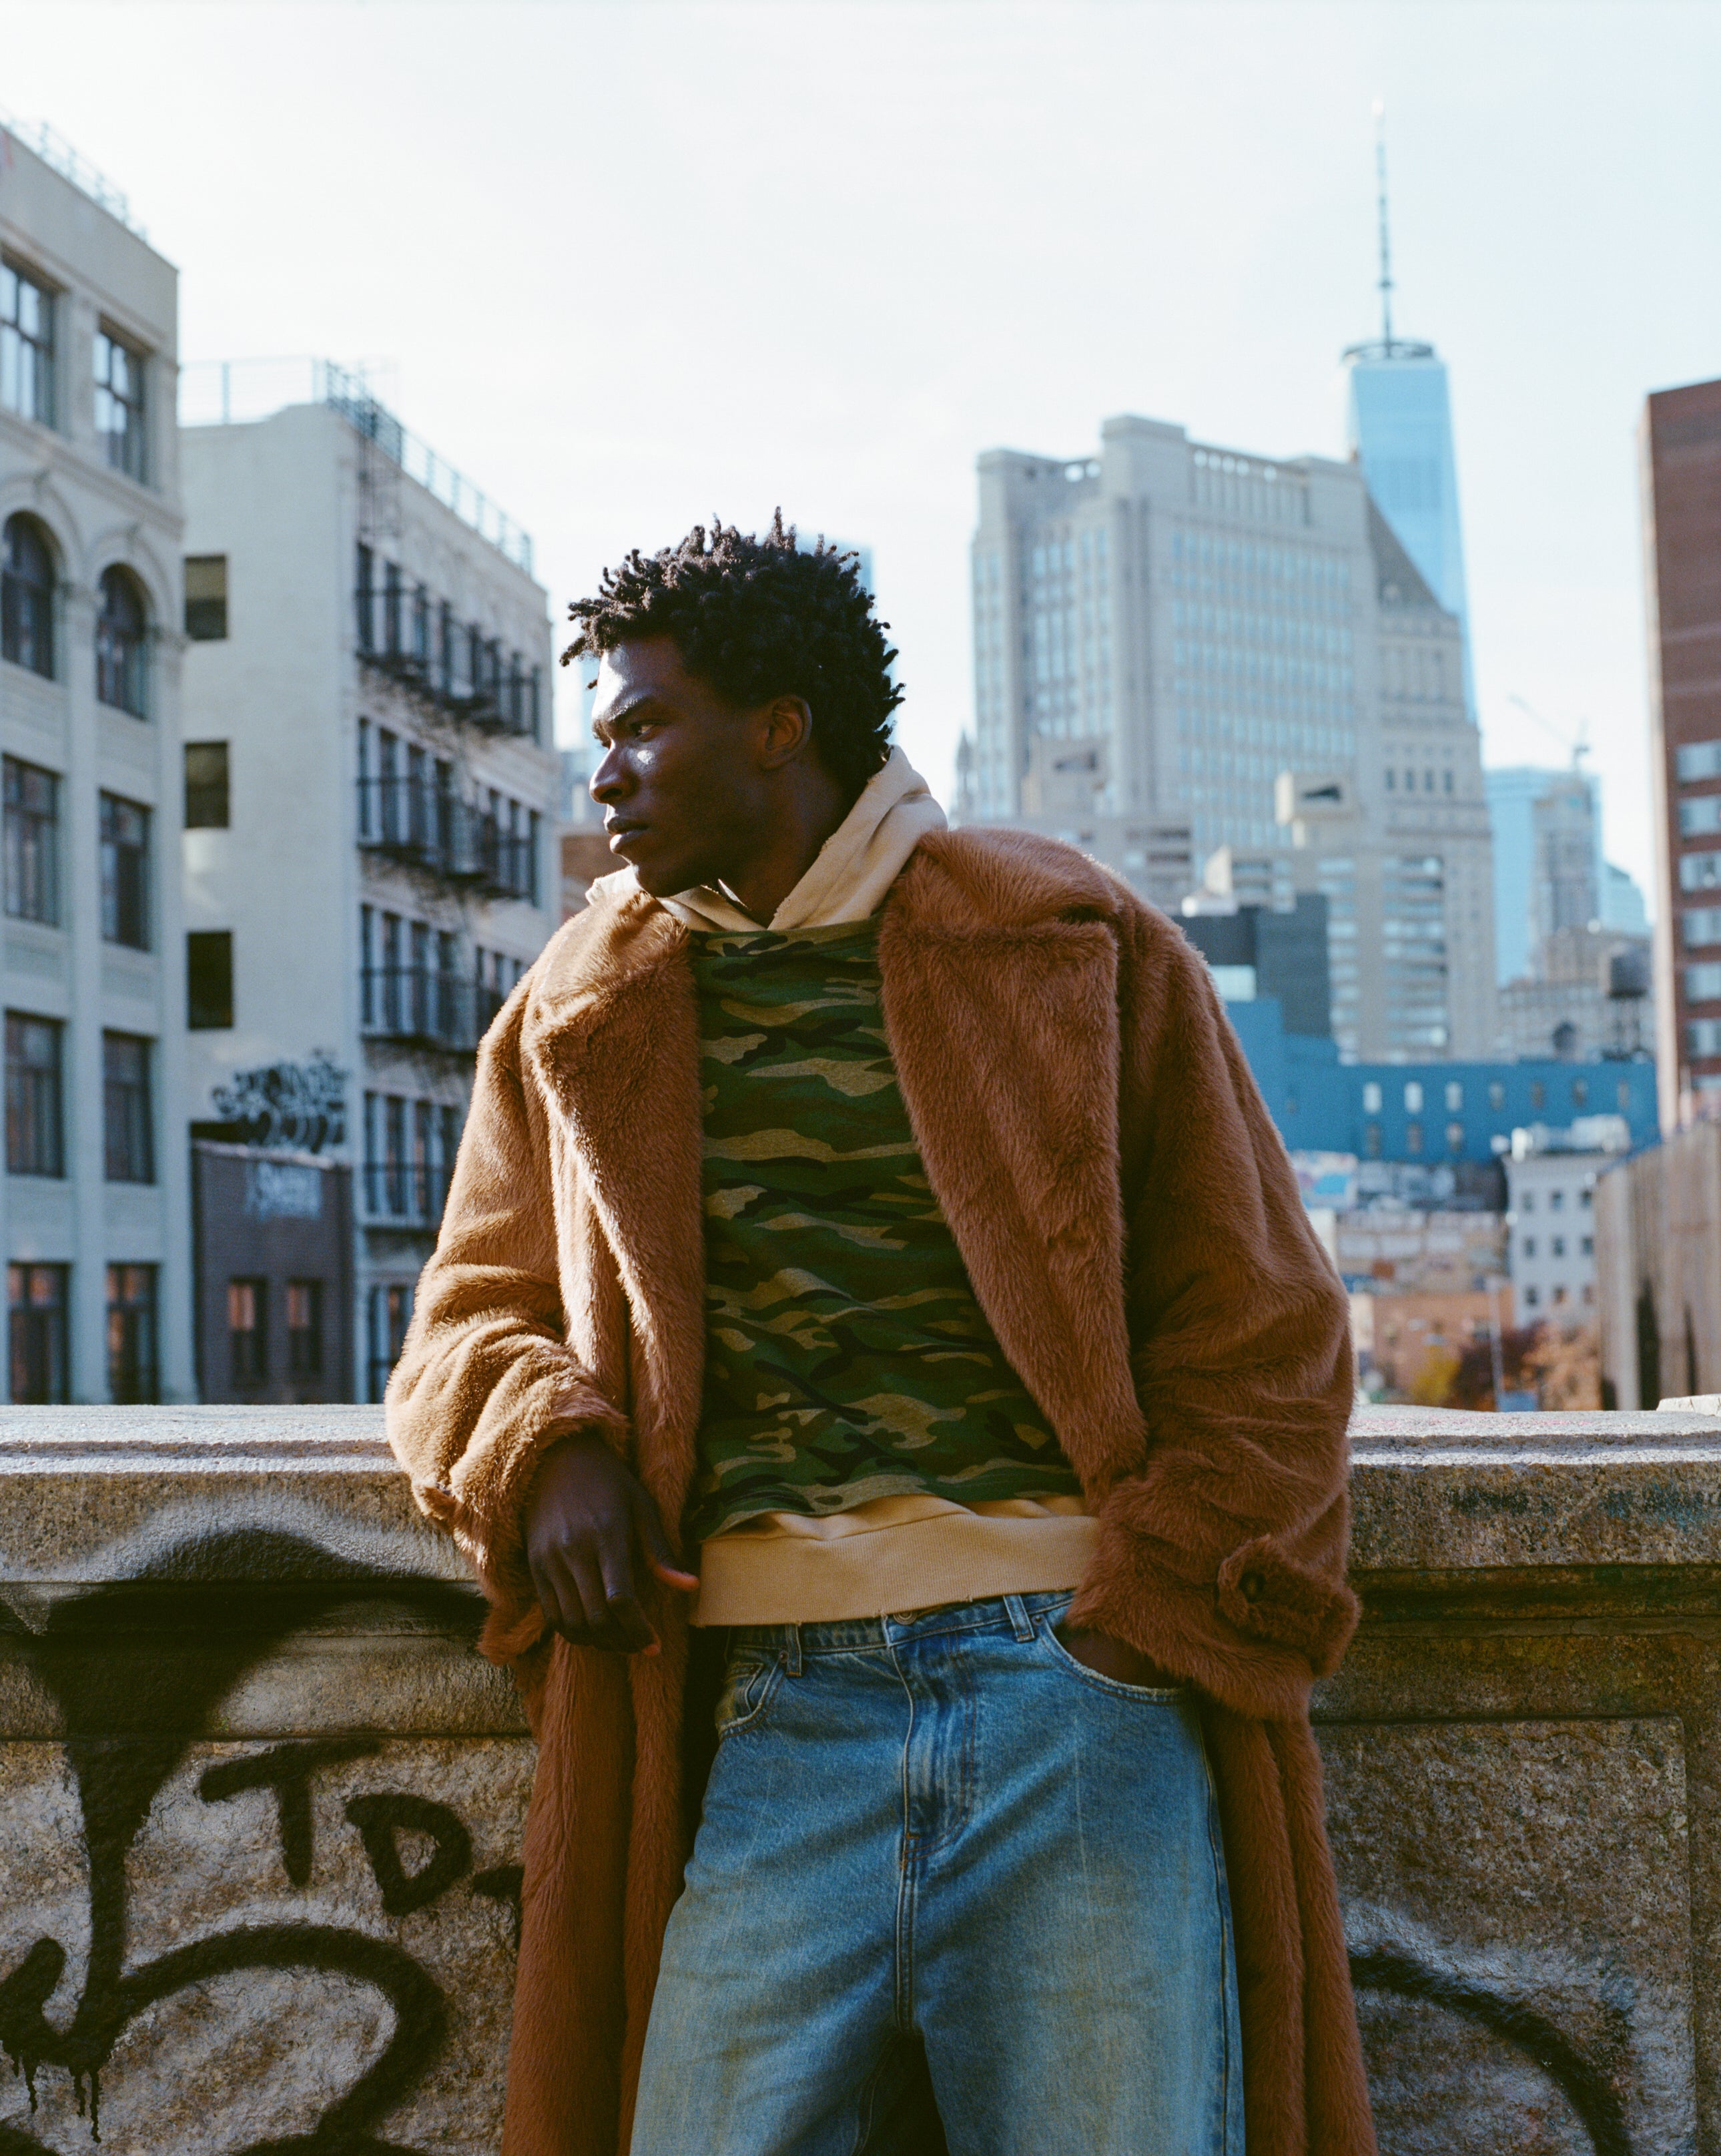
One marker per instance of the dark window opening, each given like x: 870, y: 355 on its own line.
x: 27, y: 597
x: 390, y: 1311
x: 119, y: 403
x: 209, y: 979
x: 248, y: 1331
x: 205, y: 597
x: 37, y: 1294
x: 304, y: 1328
x: 121, y: 629
x: 134, y: 1363
x: 32, y: 842
x: 128, y: 1121
x: 25, y: 345
x: 205, y: 786
x: 365, y: 618
x: 35, y: 1142
x: 124, y: 872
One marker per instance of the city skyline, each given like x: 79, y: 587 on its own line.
x: 1205, y: 234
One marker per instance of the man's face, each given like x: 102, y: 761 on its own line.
x: 678, y: 782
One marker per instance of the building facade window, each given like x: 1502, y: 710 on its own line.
x: 32, y: 842
x: 304, y: 1328
x: 35, y: 1130
x: 25, y: 345
x: 40, y: 1366
x: 205, y: 597
x: 364, y: 598
x: 134, y: 1352
x: 207, y: 803
x: 248, y: 1332
x: 121, y: 644
x: 128, y: 1117
x: 390, y: 1311
x: 119, y: 416
x: 209, y: 979
x: 27, y: 596
x: 124, y: 872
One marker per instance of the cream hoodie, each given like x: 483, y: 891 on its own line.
x: 912, y: 1551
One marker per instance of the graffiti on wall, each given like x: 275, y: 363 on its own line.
x: 135, y: 1670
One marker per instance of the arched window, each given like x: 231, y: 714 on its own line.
x: 27, y: 596
x: 120, y: 629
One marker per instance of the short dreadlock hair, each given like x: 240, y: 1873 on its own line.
x: 758, y: 617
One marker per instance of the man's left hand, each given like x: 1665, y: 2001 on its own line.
x: 1114, y: 1658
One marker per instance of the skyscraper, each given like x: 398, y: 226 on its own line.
x: 1547, y: 827
x: 1184, y: 647
x: 1399, y: 423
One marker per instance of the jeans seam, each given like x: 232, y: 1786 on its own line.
x: 904, y: 1984
x: 868, y: 2099
x: 1221, y: 1896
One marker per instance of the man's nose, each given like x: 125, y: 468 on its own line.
x: 609, y: 782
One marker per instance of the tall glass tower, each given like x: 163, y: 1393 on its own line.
x: 1399, y: 421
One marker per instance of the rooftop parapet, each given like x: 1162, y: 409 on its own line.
x: 58, y: 155
x: 220, y: 392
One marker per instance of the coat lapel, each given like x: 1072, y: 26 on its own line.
x: 613, y: 1036
x: 1000, y: 1007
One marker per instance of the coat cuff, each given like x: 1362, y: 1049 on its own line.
x: 482, y: 1505
x: 1255, y: 1636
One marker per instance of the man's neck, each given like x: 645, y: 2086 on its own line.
x: 810, y: 817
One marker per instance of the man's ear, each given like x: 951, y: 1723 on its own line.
x: 788, y: 731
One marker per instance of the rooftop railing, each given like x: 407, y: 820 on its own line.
x: 59, y: 157
x: 222, y: 392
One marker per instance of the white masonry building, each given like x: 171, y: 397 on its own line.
x: 370, y: 855
x: 95, y: 1215
x: 1179, y: 643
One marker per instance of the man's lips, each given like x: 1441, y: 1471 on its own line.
x: 620, y: 832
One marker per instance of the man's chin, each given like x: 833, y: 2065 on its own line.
x: 658, y: 878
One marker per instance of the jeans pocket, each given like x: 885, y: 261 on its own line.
x: 749, y: 1684
x: 1147, y: 1694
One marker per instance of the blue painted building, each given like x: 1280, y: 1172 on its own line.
x: 1427, y: 1112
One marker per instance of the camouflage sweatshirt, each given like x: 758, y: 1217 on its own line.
x: 847, y: 1356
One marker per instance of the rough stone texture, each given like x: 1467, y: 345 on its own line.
x: 1497, y: 1872
x: 1523, y: 1754
x: 260, y: 1800
x: 1523, y: 1758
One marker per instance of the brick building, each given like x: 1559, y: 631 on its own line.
x: 1681, y: 448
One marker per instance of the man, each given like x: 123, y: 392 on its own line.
x: 869, y: 1261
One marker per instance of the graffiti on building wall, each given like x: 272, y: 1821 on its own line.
x: 301, y: 1105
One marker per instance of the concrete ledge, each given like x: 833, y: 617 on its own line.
x: 260, y: 1801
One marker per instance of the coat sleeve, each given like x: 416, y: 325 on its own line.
x: 1224, y: 1557
x: 485, y: 1380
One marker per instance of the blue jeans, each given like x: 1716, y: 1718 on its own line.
x: 937, y: 1846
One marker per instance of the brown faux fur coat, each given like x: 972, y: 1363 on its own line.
x: 1133, y: 1230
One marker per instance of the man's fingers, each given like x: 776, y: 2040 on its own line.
x: 656, y: 1544
x: 616, y: 1556
x: 594, y: 1604
x: 558, y: 1597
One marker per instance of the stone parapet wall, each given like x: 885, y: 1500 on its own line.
x: 261, y: 1802
x: 1523, y: 1771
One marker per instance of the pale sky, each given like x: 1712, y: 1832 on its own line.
x: 633, y: 264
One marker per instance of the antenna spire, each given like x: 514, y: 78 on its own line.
x: 1385, y: 240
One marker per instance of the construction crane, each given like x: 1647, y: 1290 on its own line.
x: 1577, y: 745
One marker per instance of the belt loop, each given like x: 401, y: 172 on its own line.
x: 792, y: 1649
x: 1020, y: 1622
